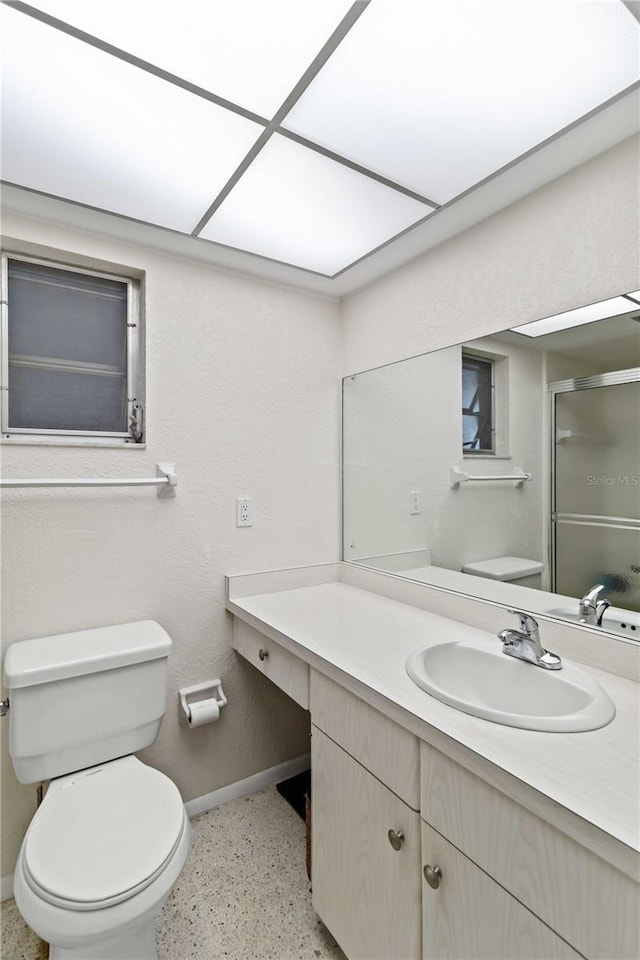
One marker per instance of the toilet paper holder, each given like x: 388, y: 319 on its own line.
x: 212, y: 690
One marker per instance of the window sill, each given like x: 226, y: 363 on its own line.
x: 484, y: 456
x: 41, y: 441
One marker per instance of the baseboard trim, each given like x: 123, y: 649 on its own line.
x: 243, y: 788
x: 6, y: 887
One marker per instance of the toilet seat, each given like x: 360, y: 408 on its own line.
x: 103, y: 835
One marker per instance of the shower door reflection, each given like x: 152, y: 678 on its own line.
x: 596, y: 486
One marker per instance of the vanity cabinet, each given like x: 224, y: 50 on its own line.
x: 376, y: 899
x: 387, y: 805
x: 288, y: 672
x: 559, y: 880
x: 370, y: 851
x: 468, y: 915
x: 365, y: 860
x: 383, y: 747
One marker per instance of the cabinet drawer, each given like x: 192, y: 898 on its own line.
x: 389, y: 751
x: 589, y: 903
x: 365, y: 891
x: 469, y: 915
x: 281, y: 667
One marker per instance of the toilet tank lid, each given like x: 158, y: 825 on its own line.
x: 65, y: 655
x: 504, y: 568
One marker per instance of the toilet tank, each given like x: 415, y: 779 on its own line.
x: 78, y: 699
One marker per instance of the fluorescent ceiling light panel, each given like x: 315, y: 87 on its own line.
x: 83, y: 125
x: 436, y: 96
x: 251, y: 52
x: 575, y: 318
x: 299, y: 207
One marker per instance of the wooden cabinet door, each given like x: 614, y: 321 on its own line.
x: 471, y: 917
x: 365, y: 891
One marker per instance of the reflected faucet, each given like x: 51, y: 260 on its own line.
x: 591, y: 610
x: 524, y: 644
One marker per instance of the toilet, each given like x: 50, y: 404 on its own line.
x: 517, y: 570
x: 111, y: 836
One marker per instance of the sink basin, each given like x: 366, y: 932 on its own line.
x: 625, y: 623
x: 482, y: 681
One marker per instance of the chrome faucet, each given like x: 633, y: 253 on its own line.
x: 524, y: 644
x: 591, y: 609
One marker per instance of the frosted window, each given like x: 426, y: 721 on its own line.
x: 83, y: 125
x: 50, y: 399
x: 67, y: 350
x: 438, y: 95
x: 68, y: 316
x: 299, y: 207
x: 250, y: 52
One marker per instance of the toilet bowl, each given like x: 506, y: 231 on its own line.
x: 111, y: 836
x: 99, y: 859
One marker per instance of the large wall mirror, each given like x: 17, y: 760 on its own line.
x: 507, y: 467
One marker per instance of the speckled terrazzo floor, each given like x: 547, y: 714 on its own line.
x: 243, y: 894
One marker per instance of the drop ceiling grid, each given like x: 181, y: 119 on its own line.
x: 291, y: 108
x: 443, y: 95
x: 269, y: 126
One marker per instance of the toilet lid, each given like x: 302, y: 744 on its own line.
x: 103, y: 835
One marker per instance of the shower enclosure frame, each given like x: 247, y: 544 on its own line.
x: 631, y: 375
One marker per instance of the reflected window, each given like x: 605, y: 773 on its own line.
x: 477, y: 405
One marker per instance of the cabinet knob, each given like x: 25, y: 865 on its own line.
x: 433, y: 876
x: 263, y: 654
x: 396, y: 838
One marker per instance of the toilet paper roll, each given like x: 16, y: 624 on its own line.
x: 204, y: 711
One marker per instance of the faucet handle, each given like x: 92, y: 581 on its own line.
x: 528, y: 624
x: 591, y: 596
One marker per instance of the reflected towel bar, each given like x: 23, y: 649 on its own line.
x: 458, y: 477
x: 166, y: 480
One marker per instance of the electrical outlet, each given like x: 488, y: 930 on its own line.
x: 415, y: 502
x: 245, y: 512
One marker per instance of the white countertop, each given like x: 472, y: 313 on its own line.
x: 362, y: 640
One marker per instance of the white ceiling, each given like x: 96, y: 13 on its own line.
x: 319, y: 144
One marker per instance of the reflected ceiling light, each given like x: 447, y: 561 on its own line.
x: 85, y: 126
x: 437, y: 96
x: 252, y: 53
x: 575, y: 318
x: 299, y: 207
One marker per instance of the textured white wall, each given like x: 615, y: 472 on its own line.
x: 571, y: 242
x: 242, y: 393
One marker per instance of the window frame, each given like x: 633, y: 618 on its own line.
x: 134, y: 367
x: 490, y: 362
